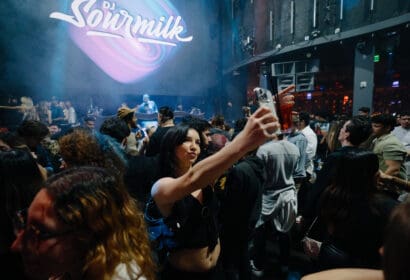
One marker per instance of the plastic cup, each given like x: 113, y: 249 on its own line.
x: 286, y: 116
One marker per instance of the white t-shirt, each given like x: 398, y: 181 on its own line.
x: 311, y: 147
x: 403, y: 135
x: 121, y: 272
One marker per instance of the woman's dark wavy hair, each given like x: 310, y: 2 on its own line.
x: 174, y: 137
x: 354, y: 182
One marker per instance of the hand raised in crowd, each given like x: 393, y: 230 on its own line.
x: 285, y: 97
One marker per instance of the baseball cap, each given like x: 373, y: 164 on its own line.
x: 124, y: 111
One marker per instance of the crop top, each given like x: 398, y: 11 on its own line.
x: 194, y: 224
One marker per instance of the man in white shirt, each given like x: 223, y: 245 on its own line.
x: 402, y: 133
x: 311, y: 137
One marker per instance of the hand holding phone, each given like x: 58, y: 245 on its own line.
x: 264, y: 98
x: 281, y: 104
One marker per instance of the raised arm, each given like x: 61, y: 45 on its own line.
x: 12, y: 107
x: 258, y: 129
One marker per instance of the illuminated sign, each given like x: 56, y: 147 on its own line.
x: 127, y: 39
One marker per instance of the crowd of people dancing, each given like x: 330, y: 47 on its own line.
x: 199, y: 199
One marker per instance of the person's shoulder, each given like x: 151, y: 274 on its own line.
x: 267, y: 146
x: 160, y: 132
x: 392, y: 142
x: 308, y: 132
x: 346, y: 274
x: 289, y: 144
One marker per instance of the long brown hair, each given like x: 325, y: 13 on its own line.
x: 98, y: 207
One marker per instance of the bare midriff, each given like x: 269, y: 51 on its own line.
x: 195, y: 260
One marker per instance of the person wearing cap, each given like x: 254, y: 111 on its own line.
x: 128, y: 116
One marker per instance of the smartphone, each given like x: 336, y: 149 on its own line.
x: 264, y: 98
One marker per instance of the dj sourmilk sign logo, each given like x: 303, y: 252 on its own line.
x: 127, y: 39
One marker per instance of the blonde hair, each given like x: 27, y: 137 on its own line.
x: 26, y: 101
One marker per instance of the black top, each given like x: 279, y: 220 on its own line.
x: 241, y: 199
x: 324, y: 177
x: 155, y: 141
x: 141, y: 174
x: 195, y: 224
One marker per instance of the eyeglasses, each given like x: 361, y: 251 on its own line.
x: 32, y: 232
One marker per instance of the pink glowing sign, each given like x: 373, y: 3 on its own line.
x: 127, y: 39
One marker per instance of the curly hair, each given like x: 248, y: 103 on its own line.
x: 106, y: 219
x: 82, y: 147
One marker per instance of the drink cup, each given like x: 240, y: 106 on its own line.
x: 286, y: 116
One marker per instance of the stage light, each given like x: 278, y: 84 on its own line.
x: 376, y: 58
x: 395, y: 84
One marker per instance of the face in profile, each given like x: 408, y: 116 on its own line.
x: 90, y: 124
x: 207, y: 137
x: 48, y: 248
x: 378, y: 129
x: 343, y: 133
x: 187, y: 153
